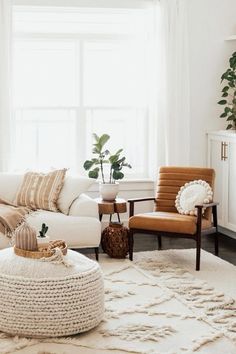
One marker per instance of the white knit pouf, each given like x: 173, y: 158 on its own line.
x: 43, y: 299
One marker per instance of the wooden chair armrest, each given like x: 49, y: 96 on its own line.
x: 135, y: 200
x: 212, y: 205
x: 207, y: 205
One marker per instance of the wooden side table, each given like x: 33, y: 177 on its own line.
x: 111, y: 207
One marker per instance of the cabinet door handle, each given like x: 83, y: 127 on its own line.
x: 225, y: 151
x: 222, y: 151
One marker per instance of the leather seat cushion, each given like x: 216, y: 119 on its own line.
x: 167, y: 222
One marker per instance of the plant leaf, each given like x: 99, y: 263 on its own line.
x: 127, y: 165
x: 113, y: 158
x: 117, y: 175
x: 94, y: 173
x: 96, y: 137
x: 118, y: 152
x: 96, y: 150
x: 95, y: 161
x: 103, y: 139
x: 232, y: 117
x: 223, y: 115
x: 121, y: 160
x: 222, y: 102
x: 88, y: 164
x: 226, y: 88
x: 116, y: 166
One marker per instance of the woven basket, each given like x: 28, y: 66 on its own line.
x: 37, y: 254
x: 115, y: 240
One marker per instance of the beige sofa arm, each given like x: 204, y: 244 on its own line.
x: 84, y: 206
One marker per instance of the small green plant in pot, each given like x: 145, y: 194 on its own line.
x: 229, y: 93
x: 42, y: 239
x: 108, y: 187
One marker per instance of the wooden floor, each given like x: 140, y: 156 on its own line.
x: 227, y: 245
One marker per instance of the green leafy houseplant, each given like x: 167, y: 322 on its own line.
x: 43, y: 231
x: 42, y: 238
x: 229, y: 93
x: 103, y: 156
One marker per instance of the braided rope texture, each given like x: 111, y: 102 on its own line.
x: 52, y: 307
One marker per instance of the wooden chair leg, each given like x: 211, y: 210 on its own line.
x: 215, y: 223
x: 131, y: 244
x: 216, y: 243
x: 159, y: 242
x: 96, y: 249
x: 198, y: 254
x: 198, y: 236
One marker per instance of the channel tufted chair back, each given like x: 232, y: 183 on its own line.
x: 170, y: 179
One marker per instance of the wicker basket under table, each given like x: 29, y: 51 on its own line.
x: 115, y: 240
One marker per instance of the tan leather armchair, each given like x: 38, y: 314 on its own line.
x: 165, y: 220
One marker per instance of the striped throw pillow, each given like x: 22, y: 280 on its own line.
x: 41, y: 191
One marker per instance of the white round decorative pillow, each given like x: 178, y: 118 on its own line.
x: 191, y: 194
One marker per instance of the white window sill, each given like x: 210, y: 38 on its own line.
x: 130, y: 185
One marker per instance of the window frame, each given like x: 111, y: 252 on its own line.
x: 80, y: 109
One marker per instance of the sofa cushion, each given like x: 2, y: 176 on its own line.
x: 9, y: 185
x: 77, y: 231
x: 167, y: 222
x: 72, y: 188
x: 4, y: 241
x: 84, y: 206
x: 41, y: 191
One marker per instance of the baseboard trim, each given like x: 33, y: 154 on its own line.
x: 227, y: 232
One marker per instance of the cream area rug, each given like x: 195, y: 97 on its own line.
x: 157, y: 304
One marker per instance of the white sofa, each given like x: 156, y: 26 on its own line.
x: 78, y: 223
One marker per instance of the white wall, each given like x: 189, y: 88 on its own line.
x: 210, y: 22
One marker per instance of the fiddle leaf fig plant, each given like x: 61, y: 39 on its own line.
x: 103, y: 156
x: 229, y: 93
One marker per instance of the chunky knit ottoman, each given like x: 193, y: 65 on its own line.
x: 49, y: 299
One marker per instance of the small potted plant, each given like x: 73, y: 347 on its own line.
x: 229, y: 93
x: 108, y: 188
x: 42, y: 239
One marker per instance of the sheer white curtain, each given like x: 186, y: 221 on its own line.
x: 5, y: 83
x: 170, y: 65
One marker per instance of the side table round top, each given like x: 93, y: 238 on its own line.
x: 110, y: 207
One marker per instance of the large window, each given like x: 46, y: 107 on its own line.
x: 79, y: 71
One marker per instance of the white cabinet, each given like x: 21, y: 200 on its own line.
x: 222, y: 157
